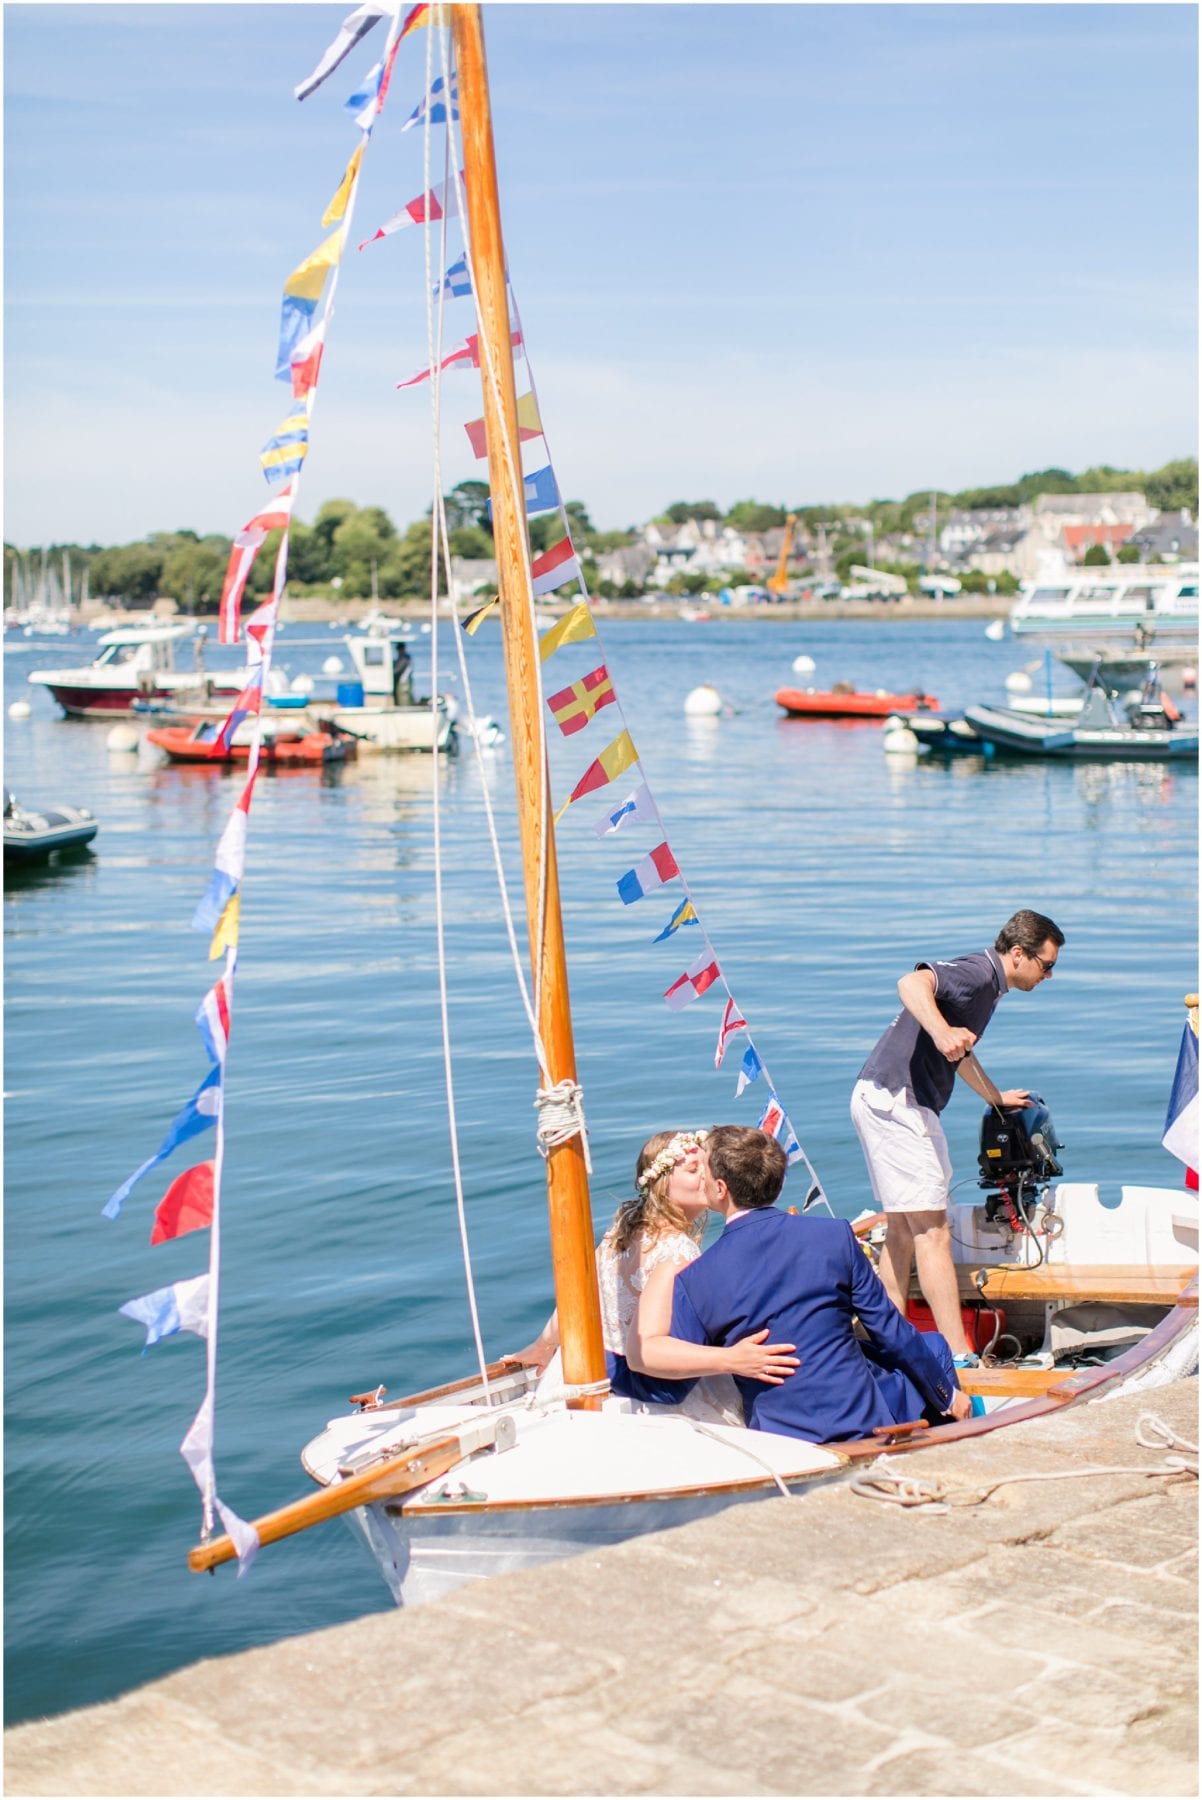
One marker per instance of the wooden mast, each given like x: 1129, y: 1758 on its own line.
x: 567, y: 1180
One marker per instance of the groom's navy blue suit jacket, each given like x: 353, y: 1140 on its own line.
x: 804, y: 1278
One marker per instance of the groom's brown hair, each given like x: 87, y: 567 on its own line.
x: 750, y: 1163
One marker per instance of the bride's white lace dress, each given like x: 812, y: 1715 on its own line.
x: 622, y: 1276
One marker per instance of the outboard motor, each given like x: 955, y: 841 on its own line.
x: 1018, y: 1153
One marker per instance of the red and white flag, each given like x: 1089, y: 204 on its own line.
x: 732, y: 1022
x: 690, y: 986
x: 463, y: 356
x: 554, y: 567
x: 435, y: 204
x: 246, y: 546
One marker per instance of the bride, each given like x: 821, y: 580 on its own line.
x: 661, y: 1225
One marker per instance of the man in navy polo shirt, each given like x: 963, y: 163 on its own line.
x: 905, y: 1085
x: 803, y: 1280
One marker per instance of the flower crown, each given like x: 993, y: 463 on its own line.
x: 682, y: 1145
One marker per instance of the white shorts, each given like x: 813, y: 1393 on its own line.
x: 905, y: 1149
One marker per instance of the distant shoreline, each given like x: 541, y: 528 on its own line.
x: 814, y: 612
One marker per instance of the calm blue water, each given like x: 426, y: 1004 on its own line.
x: 822, y: 870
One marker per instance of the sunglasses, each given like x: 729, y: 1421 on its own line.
x: 1046, y: 966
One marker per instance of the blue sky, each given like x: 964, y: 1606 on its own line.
x: 802, y: 253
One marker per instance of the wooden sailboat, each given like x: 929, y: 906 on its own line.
x: 496, y: 1472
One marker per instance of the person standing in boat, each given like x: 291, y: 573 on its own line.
x: 905, y: 1085
x: 799, y: 1277
x: 660, y: 1228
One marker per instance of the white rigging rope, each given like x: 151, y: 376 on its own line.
x: 434, y: 340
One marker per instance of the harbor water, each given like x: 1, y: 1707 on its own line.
x: 821, y: 869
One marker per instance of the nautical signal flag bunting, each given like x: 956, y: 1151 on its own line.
x: 574, y: 706
x: 697, y: 978
x: 613, y: 760
x: 655, y: 871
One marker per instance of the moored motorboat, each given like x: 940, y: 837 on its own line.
x: 283, y: 742
x: 1096, y: 604
x: 32, y: 837
x: 135, y: 661
x: 843, y: 702
x: 378, y: 707
x: 1147, y: 729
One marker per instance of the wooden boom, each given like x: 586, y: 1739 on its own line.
x: 576, y: 1297
x: 384, y: 1480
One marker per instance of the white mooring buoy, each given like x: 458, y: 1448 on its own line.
x: 121, y: 737
x: 804, y: 665
x: 301, y: 684
x: 332, y: 665
x: 1019, y: 682
x: 20, y: 709
x: 996, y: 631
x: 705, y: 702
x: 899, y: 740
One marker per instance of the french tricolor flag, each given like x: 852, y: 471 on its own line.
x: 1181, y: 1122
x: 690, y: 986
x: 653, y: 872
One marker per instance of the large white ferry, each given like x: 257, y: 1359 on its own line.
x: 1108, y: 604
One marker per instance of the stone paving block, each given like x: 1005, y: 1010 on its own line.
x: 1139, y: 1535
x: 1131, y: 1764
x: 148, y: 1745
x: 953, y: 1772
x: 788, y: 1744
x: 1171, y: 1630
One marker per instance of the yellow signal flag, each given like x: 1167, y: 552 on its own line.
x: 226, y: 935
x: 573, y: 628
x: 613, y: 760
x: 308, y: 278
x: 337, y: 207
x: 425, y: 15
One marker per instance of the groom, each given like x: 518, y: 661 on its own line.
x: 802, y: 1279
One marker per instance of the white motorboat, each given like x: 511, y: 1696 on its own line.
x: 135, y: 662
x: 377, y: 706
x: 1110, y: 605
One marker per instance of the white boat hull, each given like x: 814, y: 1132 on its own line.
x: 396, y: 728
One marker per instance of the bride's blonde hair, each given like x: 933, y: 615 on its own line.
x: 649, y: 1208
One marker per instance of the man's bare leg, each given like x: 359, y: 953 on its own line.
x: 932, y: 1246
x: 897, y: 1258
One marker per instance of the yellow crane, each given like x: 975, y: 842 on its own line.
x: 779, y: 582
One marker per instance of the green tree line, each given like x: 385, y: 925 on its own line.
x: 351, y: 551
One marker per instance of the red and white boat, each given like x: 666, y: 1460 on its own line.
x: 135, y: 662
x: 843, y: 702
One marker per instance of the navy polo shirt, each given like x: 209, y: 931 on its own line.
x: 967, y: 990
